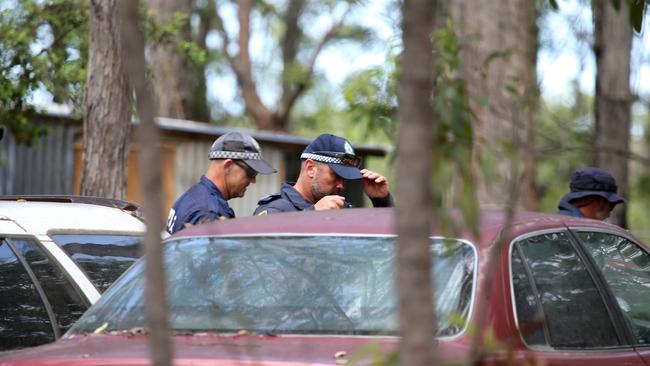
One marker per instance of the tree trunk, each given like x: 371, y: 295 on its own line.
x: 157, y: 312
x: 414, y: 160
x: 499, y: 50
x: 612, y: 46
x: 106, y: 116
x: 175, y: 79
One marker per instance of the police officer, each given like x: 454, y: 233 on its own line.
x: 593, y: 194
x: 326, y: 163
x: 235, y: 161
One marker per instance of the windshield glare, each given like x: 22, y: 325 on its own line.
x: 286, y: 285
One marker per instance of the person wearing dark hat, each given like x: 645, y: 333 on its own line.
x: 327, y: 162
x: 235, y: 161
x: 593, y: 194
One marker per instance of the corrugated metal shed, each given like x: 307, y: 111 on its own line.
x: 44, y: 168
x: 53, y: 165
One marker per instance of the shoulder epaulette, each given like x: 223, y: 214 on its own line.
x: 268, y: 198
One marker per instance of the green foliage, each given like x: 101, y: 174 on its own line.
x: 637, y: 13
x: 454, y: 182
x: 563, y: 143
x: 168, y: 34
x: 373, y: 354
x: 637, y: 9
x: 353, y: 32
x: 371, y: 98
x: 44, y: 46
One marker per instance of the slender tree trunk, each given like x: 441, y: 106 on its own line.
x: 499, y: 48
x: 612, y: 47
x: 106, y: 101
x: 157, y: 313
x: 414, y: 159
x: 174, y: 78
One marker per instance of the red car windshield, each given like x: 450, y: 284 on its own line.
x: 320, y: 284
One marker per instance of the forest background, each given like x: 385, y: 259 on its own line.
x: 523, y: 89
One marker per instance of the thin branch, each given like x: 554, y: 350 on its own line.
x: 290, y: 96
x: 224, y: 37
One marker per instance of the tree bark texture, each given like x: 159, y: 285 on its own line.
x: 612, y: 47
x: 414, y: 161
x: 175, y: 79
x: 149, y: 153
x: 106, y: 113
x: 499, y: 51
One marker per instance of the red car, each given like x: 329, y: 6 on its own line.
x: 317, y: 287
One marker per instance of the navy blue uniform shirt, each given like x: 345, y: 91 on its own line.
x: 566, y: 208
x: 203, y: 202
x: 291, y: 200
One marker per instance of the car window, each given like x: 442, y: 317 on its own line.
x: 66, y: 302
x: 102, y: 257
x: 561, y: 297
x: 286, y: 285
x: 24, y: 321
x: 626, y: 268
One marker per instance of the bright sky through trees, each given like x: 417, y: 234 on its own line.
x: 565, y: 55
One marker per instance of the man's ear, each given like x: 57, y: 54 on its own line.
x: 226, y: 164
x: 310, y: 168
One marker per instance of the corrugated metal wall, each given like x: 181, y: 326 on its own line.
x: 192, y: 161
x: 45, y: 168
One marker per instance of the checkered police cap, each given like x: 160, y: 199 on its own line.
x: 336, y: 152
x: 240, y: 146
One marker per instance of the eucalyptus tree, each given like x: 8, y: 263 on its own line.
x: 107, y: 113
x: 612, y: 109
x: 499, y: 52
x: 295, y: 45
x: 176, y: 54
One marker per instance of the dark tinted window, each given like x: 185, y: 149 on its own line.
x: 23, y: 319
x: 66, y: 302
x: 626, y: 268
x: 574, y: 312
x: 529, y: 314
x: 103, y: 257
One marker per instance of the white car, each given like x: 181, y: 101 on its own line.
x: 57, y: 255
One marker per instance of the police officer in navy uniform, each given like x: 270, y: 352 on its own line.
x: 326, y: 163
x: 235, y: 161
x: 593, y: 194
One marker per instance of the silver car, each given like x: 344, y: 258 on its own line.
x: 57, y: 255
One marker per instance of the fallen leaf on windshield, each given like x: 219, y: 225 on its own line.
x: 340, y: 357
x: 101, y: 328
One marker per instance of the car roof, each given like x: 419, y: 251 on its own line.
x: 379, y: 221
x: 39, y: 218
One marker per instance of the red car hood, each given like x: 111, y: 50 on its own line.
x: 104, y: 350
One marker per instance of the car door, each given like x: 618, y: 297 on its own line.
x: 38, y: 302
x: 625, y: 267
x: 562, y: 312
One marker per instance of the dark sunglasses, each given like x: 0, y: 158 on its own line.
x: 250, y: 172
x: 345, y: 158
